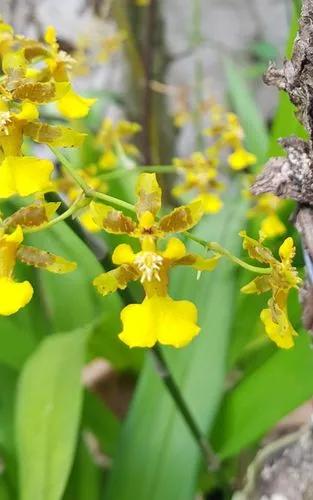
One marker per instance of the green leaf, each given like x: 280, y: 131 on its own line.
x: 49, y: 401
x: 252, y: 121
x: 71, y: 298
x: 271, y: 391
x: 8, y: 379
x: 85, y: 480
x: 4, y: 490
x: 157, y: 456
x: 99, y: 420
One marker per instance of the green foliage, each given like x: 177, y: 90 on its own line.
x: 277, y: 386
x: 49, y: 402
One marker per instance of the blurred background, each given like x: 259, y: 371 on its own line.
x: 174, y: 39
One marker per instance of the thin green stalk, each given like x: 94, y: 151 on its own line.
x: 112, y: 200
x: 216, y: 247
x: 195, y: 42
x: 120, y: 172
x: 164, y: 372
x: 71, y: 170
x: 88, y: 191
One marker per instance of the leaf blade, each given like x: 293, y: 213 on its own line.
x: 48, y: 412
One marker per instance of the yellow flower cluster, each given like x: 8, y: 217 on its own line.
x: 14, y: 295
x: 34, y: 74
x: 200, y: 175
x: 201, y: 171
x: 110, y: 136
x: 159, y: 318
x: 227, y: 134
x: 92, y: 49
x: 266, y: 206
x: 281, y: 279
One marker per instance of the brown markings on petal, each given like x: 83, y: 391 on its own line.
x: 36, y: 92
x: 117, y: 222
x: 117, y: 278
x: 33, y: 50
x: 149, y: 194
x: 42, y: 132
x: 179, y: 220
x: 31, y: 216
x: 34, y: 257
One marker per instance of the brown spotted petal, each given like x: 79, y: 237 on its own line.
x: 116, y: 279
x: 33, y: 49
x: 58, y: 136
x: 182, y: 218
x: 256, y: 250
x: 44, y: 260
x: 260, y: 284
x: 198, y: 262
x: 36, y: 92
x: 113, y: 221
x: 149, y: 194
x: 34, y: 215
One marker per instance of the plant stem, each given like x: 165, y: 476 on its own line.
x: 163, y: 369
x: 120, y: 172
x: 112, y: 200
x: 87, y: 190
x: 195, y: 42
x: 90, y: 193
x: 164, y: 372
x: 216, y: 247
x: 71, y: 170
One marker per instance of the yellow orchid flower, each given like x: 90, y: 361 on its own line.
x: 149, y: 203
x: 266, y: 205
x: 15, y: 295
x: 241, y: 159
x: 24, y: 175
x: 200, y: 175
x: 112, y: 133
x: 159, y: 318
x: 281, y: 279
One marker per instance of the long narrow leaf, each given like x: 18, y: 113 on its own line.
x: 279, y: 385
x: 49, y: 402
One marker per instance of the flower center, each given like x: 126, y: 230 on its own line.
x: 149, y: 264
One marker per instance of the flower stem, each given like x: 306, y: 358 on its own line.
x: 71, y: 170
x: 216, y: 247
x: 88, y: 191
x: 111, y: 200
x: 208, y: 454
x: 91, y: 193
x: 120, y: 172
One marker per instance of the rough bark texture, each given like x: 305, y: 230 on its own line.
x: 282, y: 471
x: 292, y: 176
